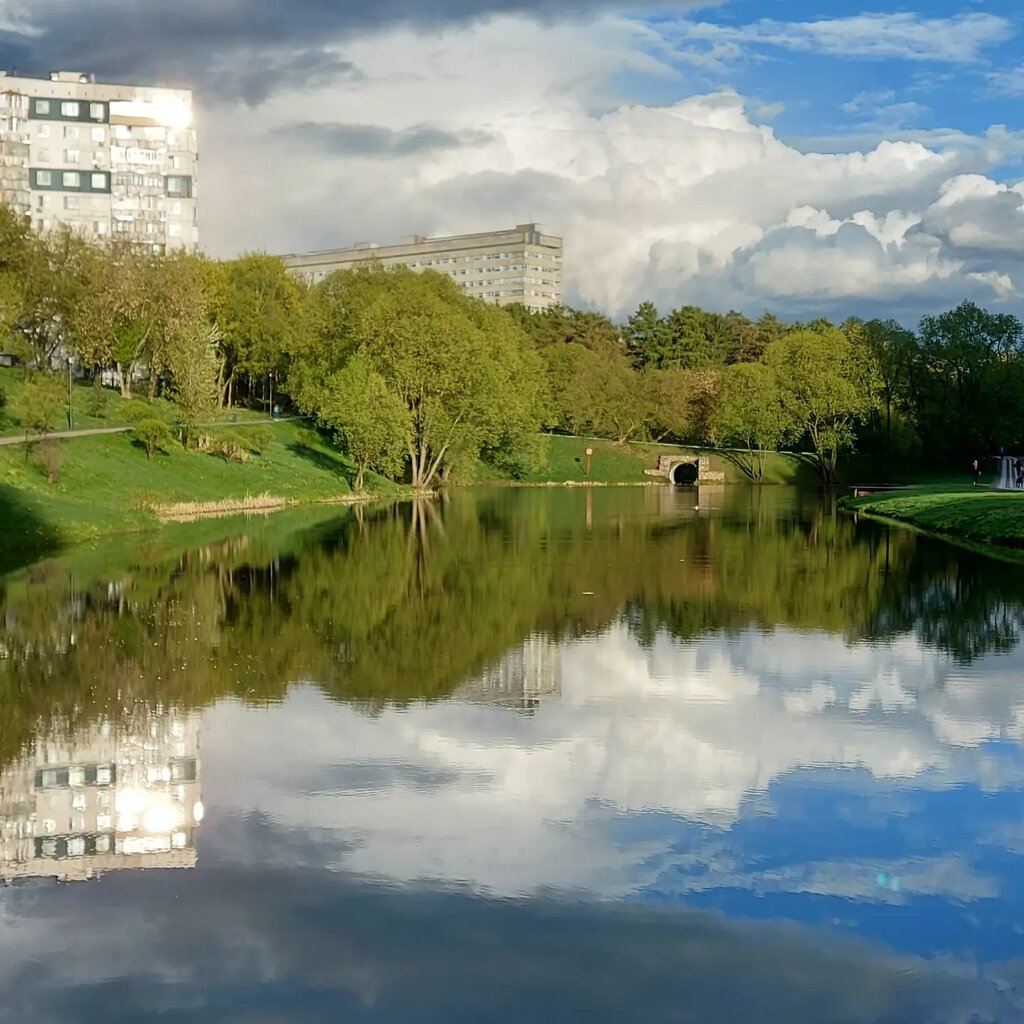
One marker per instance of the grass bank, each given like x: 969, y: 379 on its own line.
x: 106, y: 485
x: 562, y: 460
x: 979, y: 516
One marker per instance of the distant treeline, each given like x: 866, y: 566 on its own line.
x: 418, y: 381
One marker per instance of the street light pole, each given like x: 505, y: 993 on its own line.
x: 71, y: 414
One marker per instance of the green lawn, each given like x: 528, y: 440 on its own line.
x: 106, y: 484
x: 956, y: 509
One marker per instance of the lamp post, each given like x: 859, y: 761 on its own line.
x: 71, y: 414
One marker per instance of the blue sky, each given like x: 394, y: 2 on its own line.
x: 831, y: 93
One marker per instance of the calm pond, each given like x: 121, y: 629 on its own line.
x: 616, y: 755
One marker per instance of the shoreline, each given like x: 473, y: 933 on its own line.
x: 983, y: 520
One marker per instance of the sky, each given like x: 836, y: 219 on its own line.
x: 811, y: 157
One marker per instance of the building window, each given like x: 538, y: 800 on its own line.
x: 43, y: 156
x: 72, y: 156
x: 174, y: 230
x: 71, y: 132
x: 43, y: 132
x: 97, y: 111
x: 98, y: 135
x: 44, y: 178
x: 71, y: 179
x: 71, y: 202
x: 98, y: 181
x: 69, y: 108
x: 122, y: 131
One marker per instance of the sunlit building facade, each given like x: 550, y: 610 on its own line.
x: 103, y: 799
x: 116, y: 161
x: 519, y: 266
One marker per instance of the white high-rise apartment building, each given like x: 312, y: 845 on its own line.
x: 522, y: 265
x: 108, y: 160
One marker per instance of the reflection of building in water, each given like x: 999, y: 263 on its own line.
x: 103, y: 799
x: 521, y: 679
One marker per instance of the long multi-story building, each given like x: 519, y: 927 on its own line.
x: 523, y: 265
x: 107, y: 160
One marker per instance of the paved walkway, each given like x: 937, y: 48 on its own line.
x: 97, y: 431
x: 21, y: 439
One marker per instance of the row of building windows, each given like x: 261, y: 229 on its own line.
x: 77, y: 181
x: 100, y: 181
x: 71, y: 110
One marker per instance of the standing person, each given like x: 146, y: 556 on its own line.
x: 975, y: 472
x: 1018, y: 472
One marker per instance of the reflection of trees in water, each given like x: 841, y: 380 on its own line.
x: 407, y: 602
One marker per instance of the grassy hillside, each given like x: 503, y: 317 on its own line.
x: 107, y: 484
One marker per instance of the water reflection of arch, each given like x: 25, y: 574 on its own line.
x: 103, y: 798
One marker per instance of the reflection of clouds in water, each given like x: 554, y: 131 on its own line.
x: 315, y: 945
x: 697, y: 731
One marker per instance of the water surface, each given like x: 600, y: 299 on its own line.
x: 619, y: 755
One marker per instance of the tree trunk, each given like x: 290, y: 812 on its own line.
x: 360, y: 473
x: 124, y: 381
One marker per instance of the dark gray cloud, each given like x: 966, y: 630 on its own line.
x: 371, y: 140
x: 239, y: 49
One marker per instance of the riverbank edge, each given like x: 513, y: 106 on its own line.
x: 1008, y: 548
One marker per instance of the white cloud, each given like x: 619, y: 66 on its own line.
x: 960, y: 39
x: 691, y: 201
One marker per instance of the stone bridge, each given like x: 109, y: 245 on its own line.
x: 686, y: 470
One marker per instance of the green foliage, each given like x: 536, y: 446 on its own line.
x: 229, y: 445
x: 371, y: 421
x: 465, y: 375
x: 153, y: 435
x: 752, y: 413
x: 40, y: 403
x: 195, y: 366
x: 259, y: 439
x: 821, y: 389
x: 135, y: 410
x: 98, y: 399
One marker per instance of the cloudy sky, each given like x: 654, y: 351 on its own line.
x: 831, y: 156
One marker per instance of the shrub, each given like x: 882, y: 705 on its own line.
x: 153, y: 434
x: 260, y: 439
x: 135, y: 411
x: 3, y: 399
x: 231, y: 447
x: 98, y: 399
x: 49, y: 458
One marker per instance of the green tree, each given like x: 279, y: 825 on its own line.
x: 370, y: 420
x: 195, y: 367
x: 40, y: 403
x: 467, y: 377
x: 259, y: 311
x: 820, y: 384
x: 646, y: 337
x: 751, y: 413
x: 153, y: 435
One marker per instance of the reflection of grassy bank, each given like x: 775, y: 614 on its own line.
x: 959, y: 511
x: 108, y: 486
